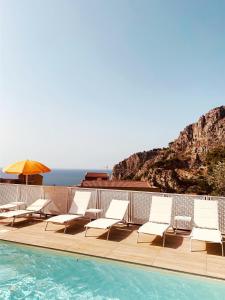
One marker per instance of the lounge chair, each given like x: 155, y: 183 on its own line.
x: 35, y: 207
x: 77, y: 210
x: 11, y: 206
x: 206, y: 223
x: 114, y: 215
x: 159, y: 219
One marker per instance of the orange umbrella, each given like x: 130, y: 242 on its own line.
x: 26, y: 167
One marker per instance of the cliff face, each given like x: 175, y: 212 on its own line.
x: 182, y: 166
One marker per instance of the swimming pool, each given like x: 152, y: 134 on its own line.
x: 33, y: 273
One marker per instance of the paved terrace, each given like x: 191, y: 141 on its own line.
x: 205, y: 260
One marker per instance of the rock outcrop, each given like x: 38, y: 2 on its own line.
x: 181, y: 167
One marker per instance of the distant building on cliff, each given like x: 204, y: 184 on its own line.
x: 92, y: 176
x: 102, y: 181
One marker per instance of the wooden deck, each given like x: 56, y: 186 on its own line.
x: 205, y: 260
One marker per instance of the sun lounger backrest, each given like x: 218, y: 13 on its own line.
x: 206, y: 214
x: 117, y: 209
x: 38, y: 204
x: 161, y: 209
x: 80, y: 202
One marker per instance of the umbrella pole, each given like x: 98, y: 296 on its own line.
x: 26, y: 187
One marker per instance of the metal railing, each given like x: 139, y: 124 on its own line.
x: 139, y: 208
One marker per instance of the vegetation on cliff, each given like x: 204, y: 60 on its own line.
x: 216, y: 171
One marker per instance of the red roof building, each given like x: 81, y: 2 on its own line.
x: 96, y: 176
x: 119, y: 185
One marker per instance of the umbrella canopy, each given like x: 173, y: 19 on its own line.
x: 26, y: 167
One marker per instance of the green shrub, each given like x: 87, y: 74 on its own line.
x: 216, y: 178
x: 215, y: 156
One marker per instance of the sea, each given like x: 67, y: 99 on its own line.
x: 62, y: 177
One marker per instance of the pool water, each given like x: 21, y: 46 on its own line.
x: 33, y: 273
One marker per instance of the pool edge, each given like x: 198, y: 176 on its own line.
x: 117, y: 260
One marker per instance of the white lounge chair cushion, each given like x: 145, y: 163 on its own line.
x: 209, y: 235
x: 117, y: 209
x: 206, y: 214
x: 161, y: 209
x: 102, y: 223
x: 35, y: 207
x: 80, y: 203
x: 38, y: 205
x: 15, y: 213
x: 153, y: 228
x: 62, y: 219
x: 8, y: 206
x: 11, y: 205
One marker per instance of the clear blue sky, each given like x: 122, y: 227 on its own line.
x: 84, y: 84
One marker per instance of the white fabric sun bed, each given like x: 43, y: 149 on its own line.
x: 206, y: 223
x: 11, y: 205
x: 77, y: 210
x: 159, y: 219
x: 35, y: 207
x: 114, y: 215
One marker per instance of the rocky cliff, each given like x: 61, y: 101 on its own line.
x: 181, y: 167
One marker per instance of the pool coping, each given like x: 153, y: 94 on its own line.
x: 215, y: 278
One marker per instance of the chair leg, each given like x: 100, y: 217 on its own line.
x: 137, y: 237
x: 86, y: 231
x: 46, y: 226
x: 13, y: 221
x: 108, y: 233
x: 164, y: 239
